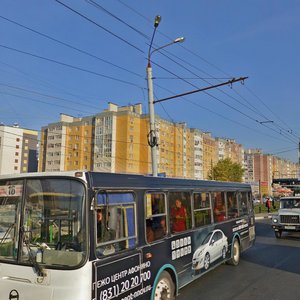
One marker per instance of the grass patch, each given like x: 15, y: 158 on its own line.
x: 261, y: 208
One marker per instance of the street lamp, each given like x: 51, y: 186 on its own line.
x: 152, y: 139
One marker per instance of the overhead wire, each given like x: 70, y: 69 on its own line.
x: 225, y: 118
x: 70, y: 46
x: 97, y: 5
x: 206, y: 61
x: 45, y: 83
x: 44, y: 102
x: 47, y: 95
x: 119, y: 19
x: 68, y: 65
x: 98, y: 25
x: 267, y: 107
x: 102, y: 28
x: 253, y: 110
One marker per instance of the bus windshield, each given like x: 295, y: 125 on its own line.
x: 42, y: 221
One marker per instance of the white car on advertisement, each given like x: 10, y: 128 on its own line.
x: 214, y: 246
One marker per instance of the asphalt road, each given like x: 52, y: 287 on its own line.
x: 269, y: 270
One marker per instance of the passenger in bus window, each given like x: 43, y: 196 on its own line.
x: 104, y: 233
x: 232, y: 207
x: 149, y: 231
x: 178, y: 216
x: 160, y: 231
x: 219, y: 209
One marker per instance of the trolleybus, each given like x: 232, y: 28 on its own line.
x: 89, y: 235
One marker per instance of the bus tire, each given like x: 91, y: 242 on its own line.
x: 278, y: 234
x: 165, y: 287
x: 206, y: 261
x: 236, y: 253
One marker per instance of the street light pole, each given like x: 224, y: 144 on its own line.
x: 152, y: 139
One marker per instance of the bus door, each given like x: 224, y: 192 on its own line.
x: 117, y: 270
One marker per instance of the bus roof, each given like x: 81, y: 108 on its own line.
x: 117, y: 180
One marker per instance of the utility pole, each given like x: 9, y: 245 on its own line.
x: 152, y: 138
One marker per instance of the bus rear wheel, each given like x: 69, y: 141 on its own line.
x: 165, y: 288
x: 236, y: 253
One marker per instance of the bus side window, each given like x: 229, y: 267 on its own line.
x: 243, y: 204
x: 115, y: 222
x: 219, y: 206
x: 180, y: 211
x: 232, y: 208
x: 156, y: 227
x: 202, y: 210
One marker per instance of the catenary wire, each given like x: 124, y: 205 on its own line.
x: 70, y: 46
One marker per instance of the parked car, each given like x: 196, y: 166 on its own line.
x: 214, y: 246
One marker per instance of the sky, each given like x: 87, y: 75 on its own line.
x: 75, y: 56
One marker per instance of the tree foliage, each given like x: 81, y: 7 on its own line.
x: 226, y: 170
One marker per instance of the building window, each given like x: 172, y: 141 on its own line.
x: 16, y: 161
x: 17, y: 147
x: 16, y: 168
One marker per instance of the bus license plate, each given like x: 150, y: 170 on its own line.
x: 289, y: 227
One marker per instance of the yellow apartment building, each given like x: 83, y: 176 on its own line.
x: 115, y: 140
x: 210, y: 154
x: 67, y: 145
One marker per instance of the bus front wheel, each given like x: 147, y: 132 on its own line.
x: 165, y: 288
x: 235, y: 255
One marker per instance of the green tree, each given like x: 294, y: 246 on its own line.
x: 226, y: 170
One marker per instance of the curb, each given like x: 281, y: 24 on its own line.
x: 263, y: 217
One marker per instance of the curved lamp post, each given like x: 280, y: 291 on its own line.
x: 152, y: 139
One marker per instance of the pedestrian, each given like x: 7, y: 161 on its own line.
x: 268, y: 204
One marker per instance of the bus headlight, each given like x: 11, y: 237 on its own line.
x: 275, y: 221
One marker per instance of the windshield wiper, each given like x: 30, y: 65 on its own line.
x: 36, y: 266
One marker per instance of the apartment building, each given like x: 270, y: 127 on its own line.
x: 67, y: 145
x: 18, y: 150
x: 116, y: 140
x: 210, y: 154
x: 198, y: 153
x: 119, y: 146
